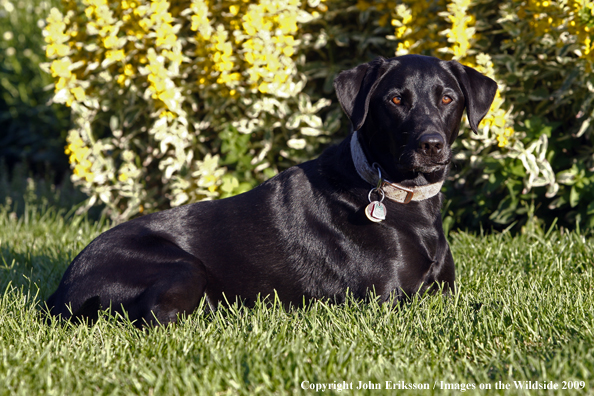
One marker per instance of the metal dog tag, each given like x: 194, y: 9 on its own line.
x: 376, y: 211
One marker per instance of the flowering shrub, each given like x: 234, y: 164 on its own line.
x: 177, y: 102
x: 182, y: 101
x: 542, y: 59
x: 547, y: 65
x: 533, y: 155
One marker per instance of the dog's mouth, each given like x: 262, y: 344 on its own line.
x: 407, y: 164
x: 430, y: 167
x: 415, y: 170
x: 416, y: 163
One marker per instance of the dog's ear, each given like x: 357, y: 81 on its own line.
x: 354, y: 88
x: 479, y: 92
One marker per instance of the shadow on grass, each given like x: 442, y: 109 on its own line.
x: 34, y: 272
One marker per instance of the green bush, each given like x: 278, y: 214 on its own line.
x: 543, y: 55
x: 182, y: 101
x: 534, y: 156
x: 30, y: 130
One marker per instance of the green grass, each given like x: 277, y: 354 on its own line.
x: 524, y: 311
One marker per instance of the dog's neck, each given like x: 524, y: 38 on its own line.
x: 393, y: 191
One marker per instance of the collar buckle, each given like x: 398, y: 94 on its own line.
x: 409, y: 196
x: 409, y: 191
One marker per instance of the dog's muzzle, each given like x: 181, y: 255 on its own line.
x: 393, y: 191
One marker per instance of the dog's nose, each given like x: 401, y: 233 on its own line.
x: 431, y: 144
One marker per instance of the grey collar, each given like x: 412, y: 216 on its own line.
x: 393, y: 191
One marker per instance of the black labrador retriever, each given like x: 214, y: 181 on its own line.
x: 363, y: 216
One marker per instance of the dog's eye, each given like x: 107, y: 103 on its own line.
x: 397, y: 100
x: 446, y: 99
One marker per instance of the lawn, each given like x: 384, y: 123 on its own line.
x: 523, y: 316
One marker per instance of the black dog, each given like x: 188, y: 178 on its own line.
x: 310, y: 232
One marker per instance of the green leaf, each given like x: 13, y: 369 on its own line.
x: 229, y: 184
x: 574, y: 197
x: 590, y: 209
x: 294, y: 121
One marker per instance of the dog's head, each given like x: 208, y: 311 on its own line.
x: 408, y: 111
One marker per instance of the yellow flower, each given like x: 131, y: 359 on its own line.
x: 196, y: 22
x: 115, y: 55
x: 288, y: 23
x: 61, y: 68
x: 89, y: 11
x: 263, y: 87
x: 502, y: 141
x: 140, y: 12
x: 62, y: 82
x: 211, y: 179
x: 288, y: 51
x: 165, y: 36
x: 165, y: 96
x: 55, y: 16
x: 200, y: 21
x: 78, y: 152
x: 129, y: 70
x: 106, y: 30
x: 411, y: 24
x: 272, y: 64
x: 145, y: 24
x: 167, y: 114
x: 128, y: 5
x: 54, y: 49
x: 280, y: 78
x: 79, y: 93
x: 110, y: 41
x: 460, y: 33
x: 499, y: 120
